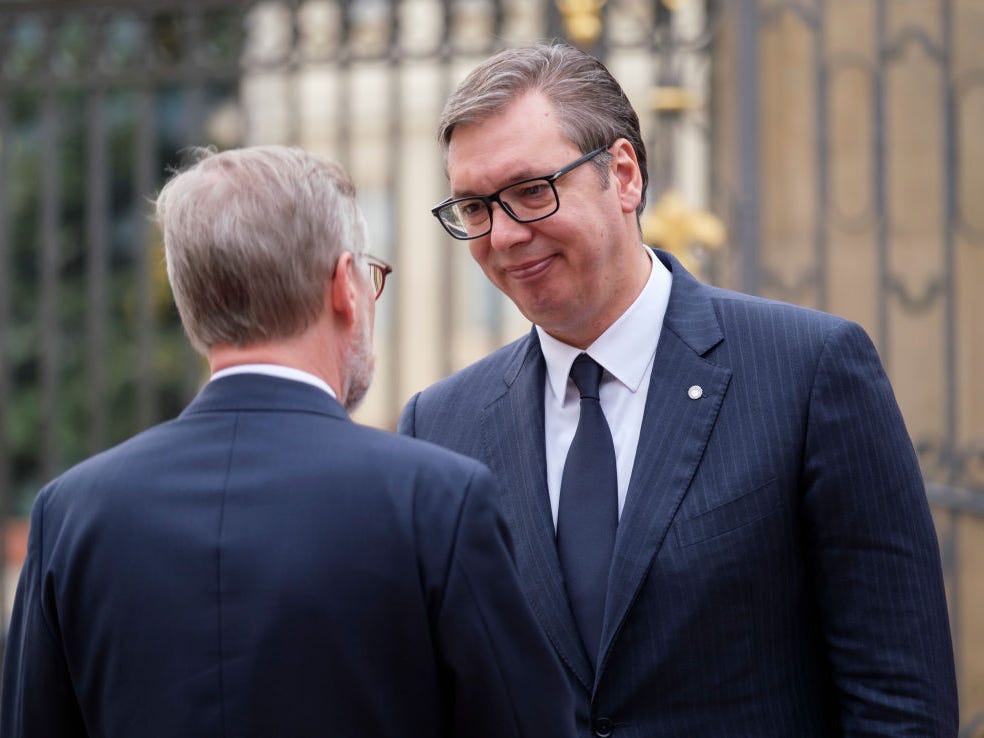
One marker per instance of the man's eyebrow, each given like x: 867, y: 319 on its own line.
x: 519, y: 176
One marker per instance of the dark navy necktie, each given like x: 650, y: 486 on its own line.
x: 588, y: 514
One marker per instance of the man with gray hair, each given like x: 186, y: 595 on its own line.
x: 261, y: 565
x: 718, y: 515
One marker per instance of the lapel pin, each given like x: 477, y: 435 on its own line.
x: 695, y: 392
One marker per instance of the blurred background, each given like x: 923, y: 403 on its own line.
x: 823, y: 152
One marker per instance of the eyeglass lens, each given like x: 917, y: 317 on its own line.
x: 378, y: 278
x: 378, y: 270
x: 525, y: 201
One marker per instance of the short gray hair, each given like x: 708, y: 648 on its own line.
x: 250, y: 238
x: 594, y: 110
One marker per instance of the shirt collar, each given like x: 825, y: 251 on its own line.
x: 626, y: 348
x: 276, y: 370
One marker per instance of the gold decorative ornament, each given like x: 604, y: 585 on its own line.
x: 582, y: 20
x: 674, y: 225
x: 672, y: 99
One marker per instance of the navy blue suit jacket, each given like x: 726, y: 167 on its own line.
x: 262, y: 566
x: 776, y: 571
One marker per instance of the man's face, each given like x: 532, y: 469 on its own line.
x: 359, y: 359
x: 576, y: 271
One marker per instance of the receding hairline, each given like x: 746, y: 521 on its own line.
x: 483, y: 115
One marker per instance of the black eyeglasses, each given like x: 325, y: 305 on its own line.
x: 525, y: 201
x: 378, y: 269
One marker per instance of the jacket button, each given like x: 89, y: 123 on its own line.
x: 603, y: 727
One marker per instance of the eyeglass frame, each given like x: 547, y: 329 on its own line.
x: 494, y: 197
x: 378, y: 266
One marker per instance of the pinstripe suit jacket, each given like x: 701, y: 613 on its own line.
x: 776, y: 570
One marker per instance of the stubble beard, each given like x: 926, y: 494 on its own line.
x: 361, y: 363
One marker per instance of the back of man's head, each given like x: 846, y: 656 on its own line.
x: 250, y: 237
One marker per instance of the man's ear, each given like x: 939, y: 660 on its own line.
x: 628, y: 176
x: 343, y: 291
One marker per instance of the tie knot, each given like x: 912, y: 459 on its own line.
x: 586, y: 373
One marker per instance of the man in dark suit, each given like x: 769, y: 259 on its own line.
x: 738, y: 543
x: 262, y: 566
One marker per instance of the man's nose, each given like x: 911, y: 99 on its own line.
x: 506, y: 232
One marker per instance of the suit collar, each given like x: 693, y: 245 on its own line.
x: 690, y: 313
x: 525, y: 354
x: 256, y: 392
x: 277, y: 370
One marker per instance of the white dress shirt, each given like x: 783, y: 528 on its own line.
x: 276, y: 370
x: 626, y: 352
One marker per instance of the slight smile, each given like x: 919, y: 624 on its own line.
x: 530, y: 269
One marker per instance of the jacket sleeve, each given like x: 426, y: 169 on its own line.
x: 502, y: 672
x: 37, y: 698
x: 874, y: 552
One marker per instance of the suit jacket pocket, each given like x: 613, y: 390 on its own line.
x: 750, y: 507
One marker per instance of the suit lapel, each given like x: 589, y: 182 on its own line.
x: 514, y: 449
x: 675, y: 430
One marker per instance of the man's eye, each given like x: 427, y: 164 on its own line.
x: 532, y: 191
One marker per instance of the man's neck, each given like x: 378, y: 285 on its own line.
x: 295, y: 353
